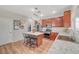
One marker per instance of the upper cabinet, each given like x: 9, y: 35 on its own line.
x: 67, y: 18
x: 62, y: 21
x: 46, y: 22
x: 57, y: 22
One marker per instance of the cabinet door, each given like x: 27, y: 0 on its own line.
x: 44, y: 22
x: 49, y: 21
x: 59, y: 22
x: 67, y: 18
x: 53, y: 35
x: 39, y: 40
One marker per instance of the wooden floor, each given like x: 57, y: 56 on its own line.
x: 19, y: 48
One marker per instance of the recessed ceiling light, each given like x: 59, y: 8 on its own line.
x: 33, y: 10
x: 53, y: 11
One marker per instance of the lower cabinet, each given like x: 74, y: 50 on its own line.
x: 39, y: 40
x: 53, y: 35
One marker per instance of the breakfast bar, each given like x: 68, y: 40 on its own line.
x: 39, y: 37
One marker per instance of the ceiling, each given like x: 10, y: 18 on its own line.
x: 46, y: 10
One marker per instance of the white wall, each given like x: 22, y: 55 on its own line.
x: 73, y: 18
x: 75, y: 29
x: 18, y: 34
x: 7, y: 34
x: 5, y: 30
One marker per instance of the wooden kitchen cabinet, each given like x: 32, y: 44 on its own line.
x: 62, y: 21
x: 39, y: 40
x: 39, y: 37
x: 67, y: 18
x: 46, y: 22
x: 53, y: 35
x: 49, y: 21
x: 57, y: 22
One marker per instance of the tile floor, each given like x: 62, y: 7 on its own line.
x: 64, y: 47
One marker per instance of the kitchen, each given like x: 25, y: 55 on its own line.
x: 36, y: 28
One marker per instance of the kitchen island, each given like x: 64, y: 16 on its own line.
x: 39, y: 37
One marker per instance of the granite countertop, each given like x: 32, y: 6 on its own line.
x: 35, y: 33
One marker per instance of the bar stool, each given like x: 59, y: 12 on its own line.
x: 33, y: 41
x: 26, y: 38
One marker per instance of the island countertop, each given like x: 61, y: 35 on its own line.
x: 35, y: 33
